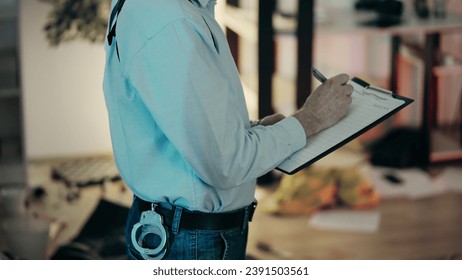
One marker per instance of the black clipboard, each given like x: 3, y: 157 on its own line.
x: 363, y: 91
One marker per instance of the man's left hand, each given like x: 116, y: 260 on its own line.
x: 271, y: 119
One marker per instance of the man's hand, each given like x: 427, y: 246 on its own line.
x: 327, y: 105
x: 271, y: 119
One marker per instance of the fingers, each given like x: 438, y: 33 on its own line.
x: 341, y: 79
x: 279, y: 117
x: 348, y: 89
x: 271, y: 119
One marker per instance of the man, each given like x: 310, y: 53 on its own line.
x: 181, y: 135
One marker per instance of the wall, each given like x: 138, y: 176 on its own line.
x: 64, y: 109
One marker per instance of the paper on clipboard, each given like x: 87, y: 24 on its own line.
x: 370, y: 106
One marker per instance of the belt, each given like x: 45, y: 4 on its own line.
x: 196, y: 220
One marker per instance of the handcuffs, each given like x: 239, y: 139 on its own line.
x: 151, y: 223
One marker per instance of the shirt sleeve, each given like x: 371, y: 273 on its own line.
x: 194, y: 103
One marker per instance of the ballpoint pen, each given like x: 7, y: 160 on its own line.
x: 318, y: 75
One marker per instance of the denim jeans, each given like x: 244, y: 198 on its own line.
x: 185, y: 244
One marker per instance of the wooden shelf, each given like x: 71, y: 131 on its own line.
x: 446, y: 144
x: 243, y: 22
x: 258, y: 26
x: 283, y: 97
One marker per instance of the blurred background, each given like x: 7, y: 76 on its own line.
x: 393, y: 193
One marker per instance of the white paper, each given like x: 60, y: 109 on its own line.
x: 451, y: 179
x: 346, y: 220
x: 415, y: 183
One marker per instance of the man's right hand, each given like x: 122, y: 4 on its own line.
x: 326, y: 105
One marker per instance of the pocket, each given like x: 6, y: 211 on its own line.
x: 235, y: 243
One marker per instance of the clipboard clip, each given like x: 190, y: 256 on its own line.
x: 378, y: 92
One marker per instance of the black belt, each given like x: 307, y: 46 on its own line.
x: 201, y: 220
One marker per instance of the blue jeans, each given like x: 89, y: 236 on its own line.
x: 185, y: 244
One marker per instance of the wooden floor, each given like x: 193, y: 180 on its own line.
x: 421, y: 229
x: 426, y: 228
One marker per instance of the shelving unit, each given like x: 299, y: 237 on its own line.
x: 12, y: 162
x: 442, y: 91
x: 266, y: 23
x: 258, y: 27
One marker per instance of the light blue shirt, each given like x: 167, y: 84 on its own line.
x: 179, y: 123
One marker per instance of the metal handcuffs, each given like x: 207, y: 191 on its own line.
x: 150, y: 223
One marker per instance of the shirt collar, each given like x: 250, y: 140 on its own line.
x: 203, y: 2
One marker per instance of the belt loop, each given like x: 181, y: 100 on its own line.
x: 245, y: 221
x: 248, y: 214
x: 252, y: 209
x: 176, y: 219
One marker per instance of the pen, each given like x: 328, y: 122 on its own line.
x: 318, y: 75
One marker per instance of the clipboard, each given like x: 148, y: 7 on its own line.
x: 370, y: 106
